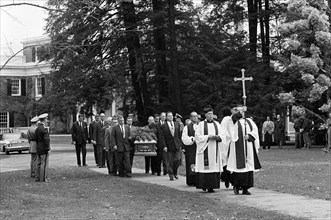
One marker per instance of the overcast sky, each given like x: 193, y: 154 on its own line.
x: 19, y: 23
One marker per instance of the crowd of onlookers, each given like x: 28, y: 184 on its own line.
x: 273, y: 131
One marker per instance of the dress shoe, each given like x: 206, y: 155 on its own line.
x: 159, y: 174
x: 85, y: 165
x: 246, y: 192
x: 203, y: 189
x: 171, y: 177
x: 235, y: 190
x: 227, y: 184
x: 37, y: 180
x: 211, y: 190
x: 165, y: 173
x: 176, y: 177
x: 79, y: 165
x: 128, y: 175
x: 153, y: 173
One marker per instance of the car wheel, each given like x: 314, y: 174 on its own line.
x: 19, y: 151
x: 3, y: 149
x: 7, y: 152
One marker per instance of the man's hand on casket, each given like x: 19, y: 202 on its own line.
x: 165, y: 149
x: 115, y: 147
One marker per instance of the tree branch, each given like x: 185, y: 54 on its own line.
x: 30, y: 4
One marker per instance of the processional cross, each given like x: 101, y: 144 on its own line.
x: 243, y: 79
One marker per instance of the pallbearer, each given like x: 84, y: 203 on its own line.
x: 208, y: 157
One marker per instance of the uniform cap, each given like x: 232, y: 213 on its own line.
x: 42, y: 116
x: 178, y: 115
x: 35, y: 119
x: 102, y: 114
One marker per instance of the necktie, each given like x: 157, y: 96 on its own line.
x: 123, y: 131
x: 172, y: 129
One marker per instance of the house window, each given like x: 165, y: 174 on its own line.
x: 15, y: 87
x: 4, y: 119
x: 39, y: 88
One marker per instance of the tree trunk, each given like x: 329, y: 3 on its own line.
x: 160, y: 48
x: 173, y: 56
x: 267, y: 33
x: 329, y: 90
x: 252, y: 25
x: 261, y: 19
x: 138, y: 75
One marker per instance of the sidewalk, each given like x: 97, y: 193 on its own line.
x: 298, y: 206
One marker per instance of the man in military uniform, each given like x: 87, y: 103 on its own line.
x: 33, y: 146
x: 43, y: 147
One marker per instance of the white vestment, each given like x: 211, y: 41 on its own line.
x: 214, y: 150
x: 232, y: 131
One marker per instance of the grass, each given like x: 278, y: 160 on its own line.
x: 295, y: 171
x: 78, y: 193
x: 289, y: 170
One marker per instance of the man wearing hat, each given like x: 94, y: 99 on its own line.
x: 243, y: 141
x: 43, y: 146
x: 79, y: 138
x: 33, y: 145
x: 208, y: 160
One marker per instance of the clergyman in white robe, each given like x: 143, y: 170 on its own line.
x: 242, y: 159
x: 208, y: 156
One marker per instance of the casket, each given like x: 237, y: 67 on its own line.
x: 145, y: 148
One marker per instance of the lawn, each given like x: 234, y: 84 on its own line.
x: 79, y: 193
x: 289, y: 170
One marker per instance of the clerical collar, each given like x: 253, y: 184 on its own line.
x: 209, y: 121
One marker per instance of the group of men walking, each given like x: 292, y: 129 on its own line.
x: 210, y: 147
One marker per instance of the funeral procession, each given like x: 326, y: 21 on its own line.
x: 165, y: 109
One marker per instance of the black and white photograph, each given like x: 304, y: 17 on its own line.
x: 165, y: 109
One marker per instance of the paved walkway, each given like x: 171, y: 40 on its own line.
x: 298, y: 206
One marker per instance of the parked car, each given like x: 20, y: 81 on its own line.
x: 10, y: 142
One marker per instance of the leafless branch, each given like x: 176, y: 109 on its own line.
x: 3, y: 66
x: 30, y: 4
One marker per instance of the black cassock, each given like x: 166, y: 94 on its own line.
x: 190, y: 152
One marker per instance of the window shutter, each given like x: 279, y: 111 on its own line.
x: 9, y: 87
x: 11, y: 119
x: 43, y: 86
x: 23, y: 87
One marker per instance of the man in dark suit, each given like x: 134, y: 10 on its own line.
x: 99, y: 141
x: 120, y: 142
x: 132, y: 137
x: 79, y: 139
x: 159, y: 151
x: 91, y: 128
x: 171, y: 144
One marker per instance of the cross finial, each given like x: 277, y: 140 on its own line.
x: 243, y: 79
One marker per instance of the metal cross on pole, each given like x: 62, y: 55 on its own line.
x: 243, y: 79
